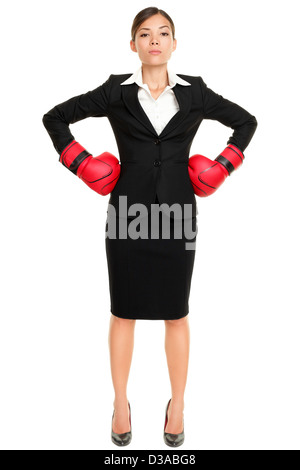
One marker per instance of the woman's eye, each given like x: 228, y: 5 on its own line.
x: 145, y: 34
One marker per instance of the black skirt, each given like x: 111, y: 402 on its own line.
x: 150, y: 278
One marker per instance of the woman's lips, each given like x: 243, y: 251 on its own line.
x: 155, y: 52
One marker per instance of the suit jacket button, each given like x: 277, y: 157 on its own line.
x: 157, y: 141
x: 156, y: 162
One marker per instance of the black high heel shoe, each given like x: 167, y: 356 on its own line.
x: 172, y: 440
x: 124, y: 438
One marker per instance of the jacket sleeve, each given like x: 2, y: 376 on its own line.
x: 93, y: 103
x: 230, y: 114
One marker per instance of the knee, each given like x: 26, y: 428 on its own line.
x: 179, y: 322
x: 122, y: 321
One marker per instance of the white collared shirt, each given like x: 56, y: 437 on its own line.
x: 161, y: 110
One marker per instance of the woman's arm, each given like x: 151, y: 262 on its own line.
x: 100, y: 173
x: 57, y: 120
x: 230, y: 114
x: 207, y: 175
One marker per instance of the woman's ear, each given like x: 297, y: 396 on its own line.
x: 132, y: 46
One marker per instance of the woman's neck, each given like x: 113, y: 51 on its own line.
x: 155, y: 76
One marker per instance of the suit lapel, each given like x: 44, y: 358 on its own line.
x: 131, y: 101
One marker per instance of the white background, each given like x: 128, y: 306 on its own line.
x: 243, y: 386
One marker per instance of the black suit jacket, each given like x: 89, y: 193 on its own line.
x: 150, y: 163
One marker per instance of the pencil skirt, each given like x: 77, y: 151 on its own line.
x: 150, y: 276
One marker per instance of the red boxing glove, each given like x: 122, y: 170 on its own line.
x: 99, y: 173
x: 207, y: 175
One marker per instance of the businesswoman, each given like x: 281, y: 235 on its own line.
x: 154, y: 114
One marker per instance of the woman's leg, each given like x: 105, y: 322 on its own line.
x: 177, y: 343
x: 121, y: 339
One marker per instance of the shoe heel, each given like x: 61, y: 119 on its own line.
x: 122, y: 439
x: 172, y: 440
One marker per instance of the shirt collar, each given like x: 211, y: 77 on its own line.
x: 136, y: 77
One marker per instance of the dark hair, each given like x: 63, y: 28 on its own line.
x: 144, y: 15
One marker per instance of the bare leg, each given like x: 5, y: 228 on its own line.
x: 177, y: 342
x: 121, y: 340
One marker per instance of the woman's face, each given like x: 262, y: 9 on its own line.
x: 154, y: 34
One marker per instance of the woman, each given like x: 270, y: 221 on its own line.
x: 150, y: 277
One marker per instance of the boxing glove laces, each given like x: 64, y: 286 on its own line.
x: 207, y: 175
x: 100, y: 173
